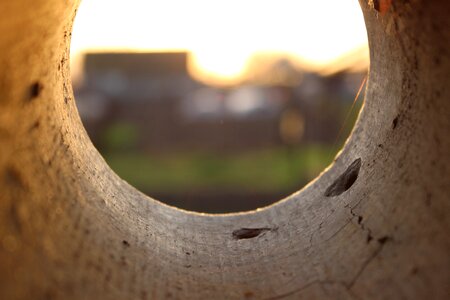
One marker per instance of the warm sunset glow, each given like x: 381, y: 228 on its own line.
x: 222, y: 35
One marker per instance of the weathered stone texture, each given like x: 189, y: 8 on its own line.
x: 71, y: 229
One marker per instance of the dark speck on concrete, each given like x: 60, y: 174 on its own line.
x: 345, y: 181
x: 34, y: 91
x: 248, y: 233
x: 395, y: 123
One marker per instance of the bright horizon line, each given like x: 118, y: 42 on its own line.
x: 222, y: 36
x: 325, y: 68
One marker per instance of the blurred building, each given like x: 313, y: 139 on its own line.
x: 155, y: 95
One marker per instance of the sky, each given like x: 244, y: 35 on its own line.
x: 222, y: 35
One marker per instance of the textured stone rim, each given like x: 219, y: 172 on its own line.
x: 373, y: 226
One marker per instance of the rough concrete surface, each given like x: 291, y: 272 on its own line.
x: 374, y: 225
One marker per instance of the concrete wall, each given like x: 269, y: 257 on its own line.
x: 375, y: 225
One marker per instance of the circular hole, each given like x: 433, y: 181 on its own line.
x: 218, y: 107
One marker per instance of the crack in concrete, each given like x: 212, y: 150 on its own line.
x: 304, y: 287
x: 361, y: 225
x: 348, y: 285
x: 364, y: 266
x: 337, y: 231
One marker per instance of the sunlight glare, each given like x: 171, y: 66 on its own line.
x: 222, y: 35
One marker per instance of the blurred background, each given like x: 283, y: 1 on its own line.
x: 219, y: 106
